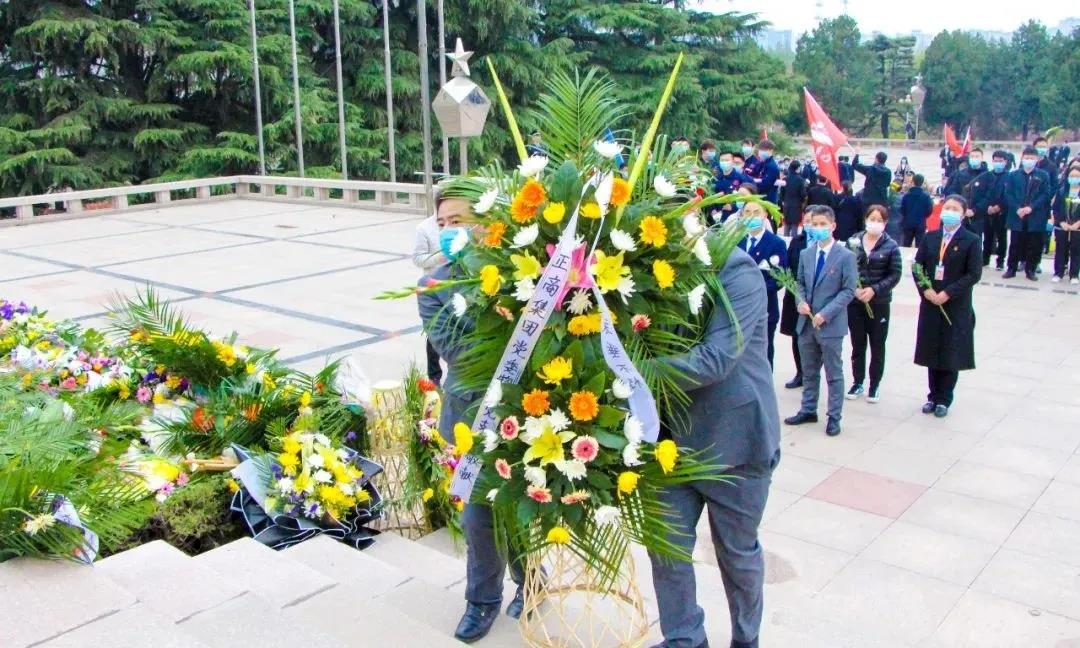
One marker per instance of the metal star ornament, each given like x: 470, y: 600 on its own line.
x: 460, y: 59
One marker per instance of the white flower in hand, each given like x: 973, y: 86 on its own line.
x: 854, y: 242
x: 526, y: 236
x: 532, y: 166
x: 485, y: 201
x: 458, y: 303
x: 774, y: 260
x: 622, y: 241
x: 764, y: 265
x: 696, y: 298
x: 607, y: 149
x: 664, y: 187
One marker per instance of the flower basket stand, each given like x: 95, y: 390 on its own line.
x: 403, y: 512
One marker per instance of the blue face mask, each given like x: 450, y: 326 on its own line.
x: 1028, y: 164
x: 709, y: 156
x: 726, y: 166
x: 446, y: 239
x: 950, y: 218
x: 999, y: 167
x: 754, y: 223
x: 818, y: 234
x: 1041, y: 150
x: 764, y: 155
x: 1074, y: 182
x: 747, y: 150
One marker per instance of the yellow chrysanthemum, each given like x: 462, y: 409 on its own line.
x: 305, y: 399
x: 664, y: 273
x: 609, y: 270
x: 558, y: 535
x: 653, y: 232
x: 225, y: 353
x: 233, y: 485
x: 590, y: 210
x: 554, y: 213
x: 557, y: 370
x: 526, y: 266
x: 584, y: 406
x: 172, y: 382
x: 289, y: 463
x: 620, y: 192
x: 290, y: 445
x: 584, y: 324
x: 463, y: 439
x: 535, y: 403
x: 427, y: 494
x: 628, y: 482
x: 490, y: 280
x: 666, y: 454
x: 302, y: 481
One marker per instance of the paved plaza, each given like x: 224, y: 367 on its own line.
x: 904, y: 531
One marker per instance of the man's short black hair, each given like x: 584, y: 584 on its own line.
x: 766, y: 145
x: 1030, y: 150
x: 918, y: 180
x: 1000, y: 155
x: 844, y: 158
x: 822, y: 210
x: 746, y: 141
x: 738, y: 154
x: 706, y: 144
x: 1038, y: 139
x: 958, y: 198
x: 975, y: 150
x: 881, y: 157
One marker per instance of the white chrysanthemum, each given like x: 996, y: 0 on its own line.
x: 855, y: 242
x: 625, y: 287
x: 346, y: 487
x: 603, y: 192
x: 696, y: 298
x: 558, y: 420
x: 631, y: 455
x: 607, y: 149
x: 693, y: 226
x: 532, y: 166
x: 574, y: 469
x: 285, y: 484
x: 316, y: 461
x: 764, y: 265
x: 524, y: 290
x: 620, y: 389
x: 323, y: 477
x: 607, y: 515
x: 622, y: 241
x: 322, y: 439
x: 461, y: 239
x: 701, y: 251
x: 526, y: 236
x: 459, y: 304
x: 536, y: 476
x: 580, y: 303
x: 492, y: 494
x: 633, y: 430
x: 774, y: 260
x: 494, y: 394
x: 491, y: 440
x: 664, y: 187
x: 485, y: 201
x: 39, y: 523
x: 533, y: 428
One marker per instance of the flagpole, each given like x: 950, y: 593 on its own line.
x: 258, y: 89
x: 425, y: 94
x: 340, y: 93
x: 442, y: 82
x: 387, y: 72
x: 296, y: 90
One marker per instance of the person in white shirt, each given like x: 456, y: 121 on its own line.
x: 427, y: 255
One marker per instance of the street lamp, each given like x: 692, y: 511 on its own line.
x: 918, y: 95
x: 461, y: 106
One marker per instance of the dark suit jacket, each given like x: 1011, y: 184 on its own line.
x: 733, y: 409
x: 769, y: 245
x: 1028, y: 190
x: 829, y: 294
x: 445, y: 331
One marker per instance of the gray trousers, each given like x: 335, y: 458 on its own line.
x: 816, y: 351
x: 486, y: 567
x: 735, y: 510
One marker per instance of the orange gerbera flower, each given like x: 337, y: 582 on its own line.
x: 493, y: 235
x: 532, y: 194
x: 536, y: 402
x: 584, y: 406
x: 620, y: 192
x: 520, y: 211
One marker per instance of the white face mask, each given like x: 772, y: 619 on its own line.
x: 875, y: 228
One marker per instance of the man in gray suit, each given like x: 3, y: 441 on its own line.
x: 485, y: 565
x: 827, y: 279
x: 733, y: 418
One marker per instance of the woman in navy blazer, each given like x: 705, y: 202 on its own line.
x: 767, y: 250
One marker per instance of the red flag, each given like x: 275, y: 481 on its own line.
x: 950, y: 139
x: 764, y: 134
x: 826, y: 139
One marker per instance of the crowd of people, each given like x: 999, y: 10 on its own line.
x: 844, y: 264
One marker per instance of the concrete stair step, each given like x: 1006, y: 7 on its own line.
x: 347, y: 565
x: 352, y: 618
x: 417, y: 560
x: 43, y: 599
x: 441, y: 609
x: 443, y: 541
x: 249, y: 620
x: 273, y: 576
x: 138, y: 626
x: 168, y: 581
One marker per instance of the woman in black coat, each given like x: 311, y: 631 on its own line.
x: 792, y: 199
x: 880, y: 267
x: 944, y: 347
x: 789, y: 315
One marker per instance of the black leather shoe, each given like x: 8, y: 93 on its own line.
x: 800, y: 418
x: 517, y: 606
x: 703, y: 644
x: 941, y: 411
x: 794, y: 383
x: 832, y: 428
x: 1009, y: 274
x: 928, y: 408
x: 477, y: 621
x: 1031, y: 276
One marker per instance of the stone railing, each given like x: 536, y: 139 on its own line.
x: 871, y: 144
x: 384, y: 196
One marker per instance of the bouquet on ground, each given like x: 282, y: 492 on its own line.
x: 572, y: 281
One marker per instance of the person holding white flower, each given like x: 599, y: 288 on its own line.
x: 427, y: 255
x: 880, y: 267
x: 769, y: 251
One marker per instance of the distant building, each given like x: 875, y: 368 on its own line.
x: 776, y: 40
